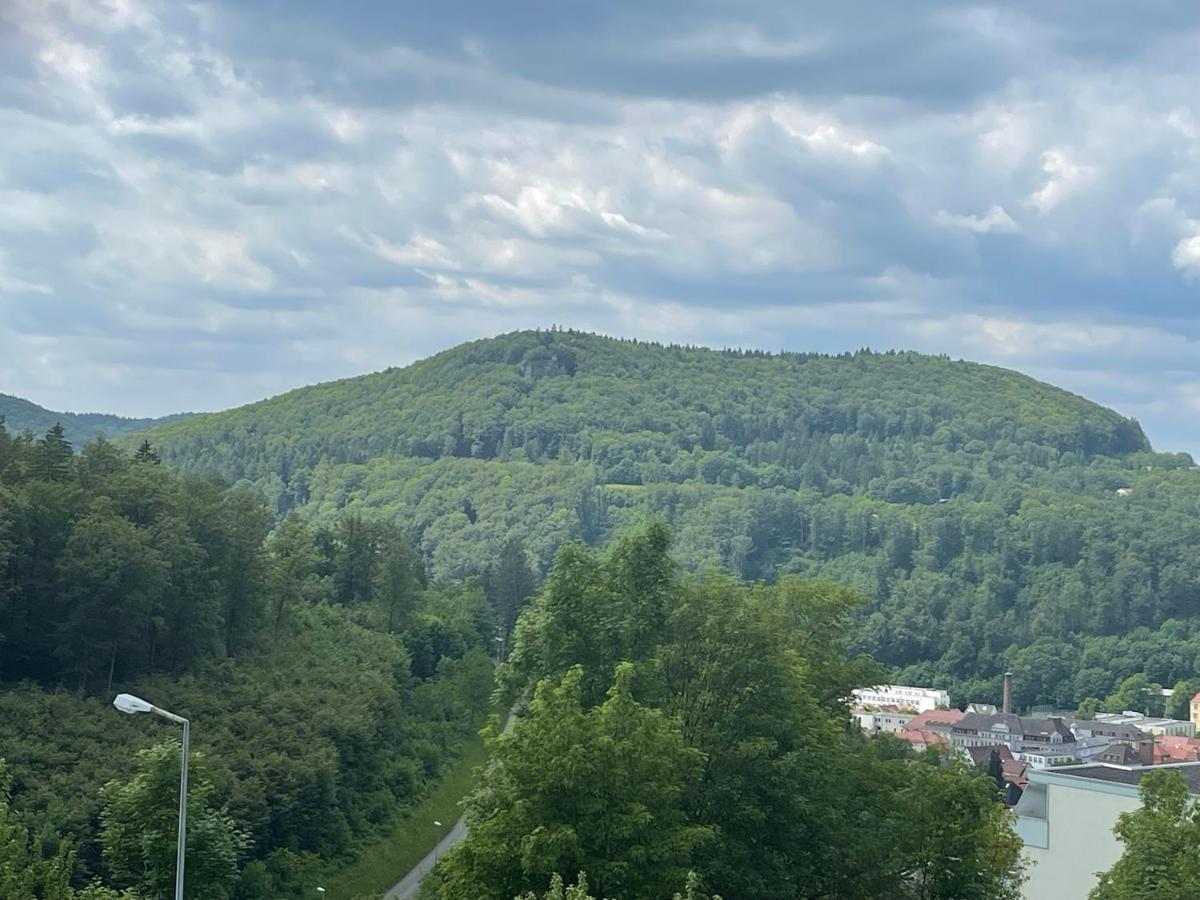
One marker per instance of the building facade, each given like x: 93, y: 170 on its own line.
x: 1149, y: 724
x: 875, y: 721
x: 901, y: 695
x: 1066, y: 816
x: 1041, y: 742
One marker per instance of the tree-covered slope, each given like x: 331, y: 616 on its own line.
x: 977, y: 508
x: 645, y: 413
x: 80, y: 428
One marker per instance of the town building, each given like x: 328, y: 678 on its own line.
x: 1171, y: 748
x: 1195, y: 710
x: 1066, y: 816
x: 1118, y: 734
x: 939, y: 721
x: 906, y: 697
x: 1040, y: 742
x: 876, y: 720
x: 1149, y: 724
x: 924, y: 740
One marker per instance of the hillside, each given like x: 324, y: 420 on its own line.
x: 80, y: 428
x: 975, y: 506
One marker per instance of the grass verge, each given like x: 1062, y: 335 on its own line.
x: 381, y: 864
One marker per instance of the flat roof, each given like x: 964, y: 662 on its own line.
x: 1111, y: 773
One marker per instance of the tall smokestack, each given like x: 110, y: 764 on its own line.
x: 1008, y: 692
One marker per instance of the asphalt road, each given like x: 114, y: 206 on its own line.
x: 406, y: 888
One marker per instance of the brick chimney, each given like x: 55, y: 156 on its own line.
x: 1008, y: 692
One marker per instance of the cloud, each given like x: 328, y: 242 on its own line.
x: 994, y: 220
x: 202, y: 203
x: 1063, y: 177
x: 1186, y: 255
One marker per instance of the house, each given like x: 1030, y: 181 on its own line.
x: 1117, y: 734
x: 1016, y: 773
x: 1171, y: 748
x: 923, y: 740
x: 874, y: 720
x: 939, y: 721
x: 1124, y: 492
x: 1121, y: 755
x: 1148, y: 724
x: 983, y: 709
x: 1195, y: 710
x: 982, y: 756
x: 1040, y: 742
x: 1066, y: 816
x: 904, y: 696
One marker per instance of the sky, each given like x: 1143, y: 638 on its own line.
x: 205, y: 203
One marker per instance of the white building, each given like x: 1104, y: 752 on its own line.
x: 903, y: 696
x: 1149, y: 724
x: 1066, y: 817
x: 891, y: 719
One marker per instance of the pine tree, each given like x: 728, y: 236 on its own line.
x: 54, y: 454
x: 508, y: 585
x: 147, y: 454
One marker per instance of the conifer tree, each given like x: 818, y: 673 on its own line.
x: 54, y: 455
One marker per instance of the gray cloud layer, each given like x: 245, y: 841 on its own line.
x: 203, y: 204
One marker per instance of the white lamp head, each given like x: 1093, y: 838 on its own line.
x: 437, y: 823
x: 127, y: 703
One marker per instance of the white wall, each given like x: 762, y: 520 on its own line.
x: 1080, y: 842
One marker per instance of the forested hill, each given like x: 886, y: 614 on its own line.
x: 977, y: 508
x: 831, y: 423
x: 79, y: 428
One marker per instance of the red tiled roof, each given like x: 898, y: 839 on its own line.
x: 1196, y: 699
x: 923, y: 738
x: 1015, y: 772
x: 1176, y: 748
x: 934, y: 718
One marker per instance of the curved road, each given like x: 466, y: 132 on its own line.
x: 406, y: 888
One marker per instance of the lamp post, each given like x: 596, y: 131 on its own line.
x: 437, y: 847
x: 127, y: 703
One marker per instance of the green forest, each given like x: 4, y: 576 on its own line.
x: 78, y: 428
x: 330, y: 682
x: 976, y: 508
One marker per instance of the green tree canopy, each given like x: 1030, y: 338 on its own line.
x: 1161, y: 859
x: 140, y: 827
x: 580, y: 789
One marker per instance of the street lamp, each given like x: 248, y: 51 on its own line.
x: 437, y: 847
x: 127, y: 703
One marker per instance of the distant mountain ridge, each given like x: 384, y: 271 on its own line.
x: 80, y: 428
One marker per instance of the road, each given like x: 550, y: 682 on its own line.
x: 406, y: 888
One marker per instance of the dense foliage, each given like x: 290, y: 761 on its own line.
x: 80, y: 428
x: 975, y: 507
x: 679, y: 723
x: 327, y: 680
x: 1162, y: 845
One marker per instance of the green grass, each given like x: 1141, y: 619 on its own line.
x: 380, y: 865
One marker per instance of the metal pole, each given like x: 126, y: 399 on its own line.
x: 182, y: 838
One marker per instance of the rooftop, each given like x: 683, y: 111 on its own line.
x: 1129, y: 717
x: 1013, y: 724
x: 934, y: 718
x: 1130, y: 775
